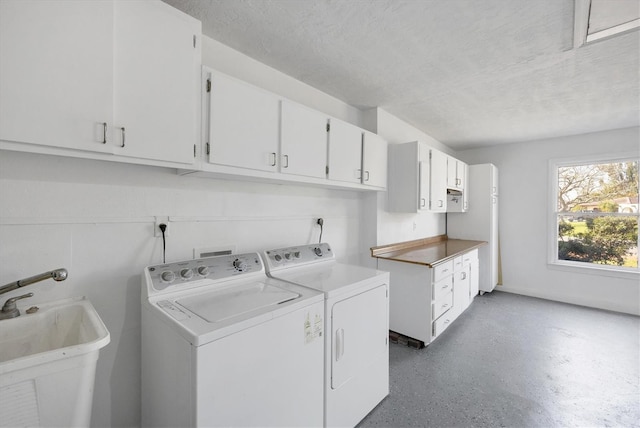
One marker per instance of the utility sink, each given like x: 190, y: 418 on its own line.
x: 47, y: 364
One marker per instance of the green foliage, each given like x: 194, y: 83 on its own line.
x: 606, y: 241
x: 608, y: 207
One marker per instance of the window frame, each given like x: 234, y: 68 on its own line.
x: 582, y: 267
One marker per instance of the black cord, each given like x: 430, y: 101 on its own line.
x: 320, y: 222
x: 163, y: 227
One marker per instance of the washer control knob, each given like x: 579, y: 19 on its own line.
x: 186, y: 273
x: 278, y: 257
x: 168, y: 276
x: 203, y: 270
x: 239, y: 264
x: 296, y: 254
x: 287, y: 256
x: 318, y: 251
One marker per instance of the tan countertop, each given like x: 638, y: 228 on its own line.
x: 428, y: 251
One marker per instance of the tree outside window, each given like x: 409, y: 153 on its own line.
x: 597, y: 213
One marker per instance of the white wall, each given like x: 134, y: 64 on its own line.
x: 524, y: 201
x: 398, y: 227
x: 96, y: 219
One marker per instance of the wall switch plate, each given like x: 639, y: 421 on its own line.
x: 156, y: 228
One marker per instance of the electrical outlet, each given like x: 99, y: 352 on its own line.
x: 156, y: 228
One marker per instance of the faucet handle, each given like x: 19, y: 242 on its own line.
x: 10, y: 304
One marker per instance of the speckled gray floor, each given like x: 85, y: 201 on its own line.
x: 516, y: 361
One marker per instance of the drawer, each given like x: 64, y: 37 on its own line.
x: 442, y: 305
x: 441, y: 324
x: 441, y: 270
x: 468, y: 257
x: 457, y: 264
x: 442, y: 287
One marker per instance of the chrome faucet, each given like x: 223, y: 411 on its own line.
x: 9, y: 309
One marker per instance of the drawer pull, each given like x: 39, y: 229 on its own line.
x: 445, y: 305
x: 444, y: 287
x: 447, y: 321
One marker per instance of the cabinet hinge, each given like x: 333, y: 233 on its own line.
x: 208, y: 85
x: 194, y: 150
x: 328, y: 127
x: 326, y: 169
x: 194, y: 40
x: 207, y: 148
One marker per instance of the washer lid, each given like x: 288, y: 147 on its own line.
x: 330, y: 278
x: 216, y: 306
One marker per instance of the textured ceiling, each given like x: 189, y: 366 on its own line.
x: 467, y: 72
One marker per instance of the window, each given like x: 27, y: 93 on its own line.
x: 595, y: 213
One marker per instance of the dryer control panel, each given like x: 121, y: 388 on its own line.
x: 216, y: 269
x: 298, y: 256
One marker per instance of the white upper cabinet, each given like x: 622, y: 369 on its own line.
x: 456, y: 171
x: 117, y: 77
x: 56, y: 73
x: 345, y: 152
x: 303, y: 141
x: 243, y: 125
x: 409, y: 177
x: 438, y: 182
x: 374, y: 160
x: 157, y: 68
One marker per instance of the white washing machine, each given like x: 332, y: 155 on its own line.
x: 356, y: 370
x: 224, y: 345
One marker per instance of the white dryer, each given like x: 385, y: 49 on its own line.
x: 356, y: 369
x: 224, y: 345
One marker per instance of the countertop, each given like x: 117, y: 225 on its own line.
x: 428, y: 251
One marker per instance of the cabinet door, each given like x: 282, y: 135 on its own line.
x: 359, y: 331
x: 423, y: 197
x: 156, y: 78
x: 303, y: 141
x: 438, y: 182
x: 56, y: 73
x: 452, y: 177
x: 243, y: 125
x: 374, y: 160
x: 345, y: 152
x: 461, y: 174
x: 461, y: 289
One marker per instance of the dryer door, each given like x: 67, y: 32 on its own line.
x: 359, y: 333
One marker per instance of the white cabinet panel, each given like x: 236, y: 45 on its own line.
x: 156, y: 78
x: 438, y: 182
x: 117, y: 77
x: 374, y: 160
x: 56, y: 73
x: 359, y: 333
x: 303, y: 141
x: 345, y: 152
x: 243, y: 125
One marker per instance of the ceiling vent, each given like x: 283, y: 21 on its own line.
x: 601, y: 19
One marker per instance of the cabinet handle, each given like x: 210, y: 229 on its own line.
x: 286, y: 161
x: 444, y: 287
x: 366, y: 179
x: 104, y: 132
x: 447, y: 321
x: 440, y: 203
x: 359, y: 174
x: 122, y: 136
x: 445, y: 305
x: 445, y: 270
x: 339, y: 344
x: 423, y: 202
x: 273, y: 159
x: 464, y: 275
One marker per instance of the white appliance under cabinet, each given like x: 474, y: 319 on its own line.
x: 97, y: 78
x: 224, y: 345
x: 356, y: 327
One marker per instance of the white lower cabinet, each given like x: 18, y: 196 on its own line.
x: 424, y: 301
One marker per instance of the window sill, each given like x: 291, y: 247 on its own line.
x: 590, y: 269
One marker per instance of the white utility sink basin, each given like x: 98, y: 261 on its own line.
x: 47, y: 364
